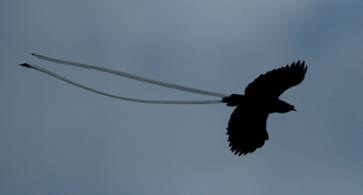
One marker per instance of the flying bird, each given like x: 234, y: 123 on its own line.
x: 247, y: 125
x: 246, y: 128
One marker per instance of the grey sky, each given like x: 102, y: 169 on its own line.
x: 58, y: 139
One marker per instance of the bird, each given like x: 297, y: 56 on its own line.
x: 246, y: 128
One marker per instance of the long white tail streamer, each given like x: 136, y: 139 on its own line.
x: 131, y: 76
x: 64, y: 79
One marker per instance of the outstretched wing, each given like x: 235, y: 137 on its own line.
x: 246, y: 130
x: 275, y: 82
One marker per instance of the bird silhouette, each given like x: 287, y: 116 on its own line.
x: 247, y: 125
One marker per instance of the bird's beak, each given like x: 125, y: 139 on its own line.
x: 294, y: 110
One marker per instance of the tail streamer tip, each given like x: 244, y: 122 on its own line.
x: 25, y: 65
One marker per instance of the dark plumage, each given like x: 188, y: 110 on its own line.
x: 247, y: 126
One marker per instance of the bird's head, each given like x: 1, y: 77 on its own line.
x: 282, y: 107
x: 292, y: 108
x: 287, y: 108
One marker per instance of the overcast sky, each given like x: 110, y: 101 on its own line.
x: 58, y: 139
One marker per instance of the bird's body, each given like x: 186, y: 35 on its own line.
x: 247, y: 125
